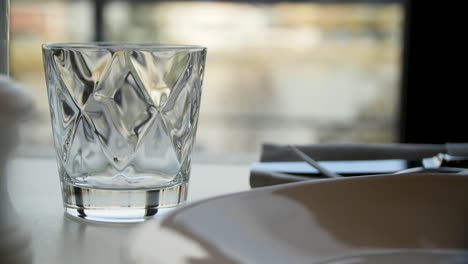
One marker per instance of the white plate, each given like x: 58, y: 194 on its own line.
x: 419, y: 218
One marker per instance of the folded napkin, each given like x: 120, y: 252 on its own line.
x: 320, y: 152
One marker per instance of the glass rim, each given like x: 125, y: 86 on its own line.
x: 96, y: 45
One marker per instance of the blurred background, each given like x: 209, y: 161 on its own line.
x: 277, y: 71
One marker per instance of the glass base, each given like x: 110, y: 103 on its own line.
x: 121, y: 206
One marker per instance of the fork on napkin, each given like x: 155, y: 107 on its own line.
x: 343, y: 152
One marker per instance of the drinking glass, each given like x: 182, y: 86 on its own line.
x: 124, y: 119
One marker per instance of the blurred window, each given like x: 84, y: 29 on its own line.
x: 282, y: 72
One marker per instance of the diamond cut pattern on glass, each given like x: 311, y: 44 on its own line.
x: 125, y: 113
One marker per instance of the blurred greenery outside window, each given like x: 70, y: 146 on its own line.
x: 280, y: 72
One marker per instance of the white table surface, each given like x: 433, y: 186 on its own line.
x: 34, y: 189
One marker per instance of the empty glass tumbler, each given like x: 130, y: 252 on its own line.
x: 124, y: 118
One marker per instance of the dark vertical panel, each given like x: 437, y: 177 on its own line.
x: 434, y: 106
x: 99, y: 20
x: 4, y: 35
